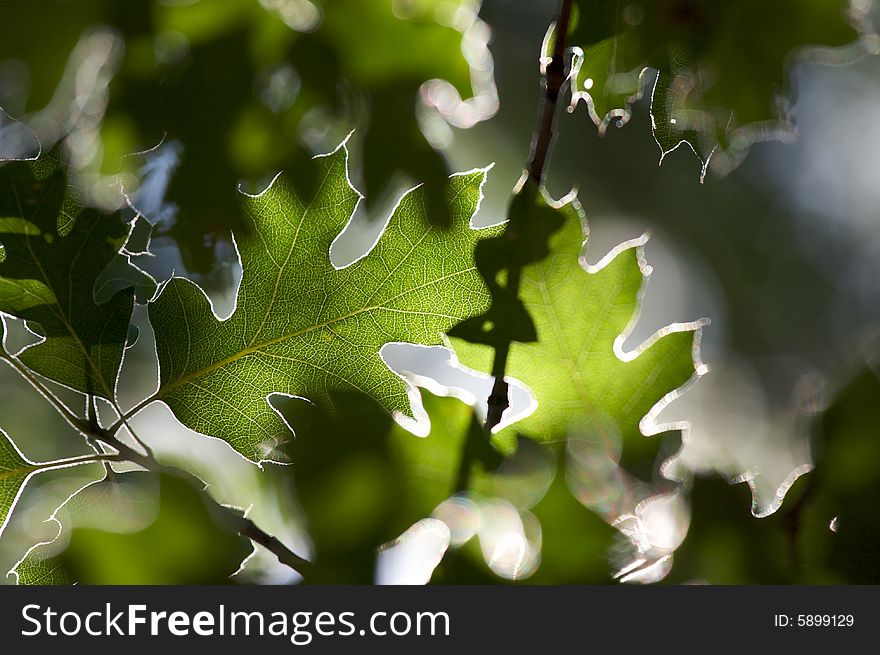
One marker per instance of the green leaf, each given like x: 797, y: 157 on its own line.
x: 53, y: 252
x: 117, y: 532
x: 15, y: 469
x: 714, y: 91
x: 583, y: 381
x: 301, y: 327
x: 42, y: 572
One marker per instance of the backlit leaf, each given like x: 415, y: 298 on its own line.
x: 585, y: 384
x: 15, y: 469
x: 302, y: 327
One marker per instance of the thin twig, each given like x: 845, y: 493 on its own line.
x: 92, y: 420
x: 124, y: 417
x: 140, y: 442
x: 93, y: 432
x: 75, y: 461
x: 554, y: 78
x: 123, y: 421
x: 230, y: 517
x: 63, y: 410
x: 542, y: 142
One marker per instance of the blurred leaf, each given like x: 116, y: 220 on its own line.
x: 714, y: 90
x: 301, y: 327
x: 582, y: 385
x: 575, y: 542
x: 363, y: 481
x: 193, y: 105
x: 726, y: 544
x: 824, y: 533
x: 29, y: 89
x: 53, y: 252
x: 841, y: 516
x: 17, y: 140
x: 404, y: 56
x: 241, y: 88
x: 175, y: 543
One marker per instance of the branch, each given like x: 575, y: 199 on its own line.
x: 93, y: 432
x: 553, y: 80
x: 75, y: 461
x: 125, y: 416
x: 542, y: 142
x: 228, y: 516
x: 72, y: 419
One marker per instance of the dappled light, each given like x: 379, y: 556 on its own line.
x: 349, y: 292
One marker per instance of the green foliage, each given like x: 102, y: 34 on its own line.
x: 53, y: 252
x: 363, y: 481
x: 238, y: 89
x: 301, y: 327
x: 718, y: 90
x: 841, y: 512
x: 525, y: 241
x: 241, y: 88
x: 15, y: 470
x: 172, y: 539
x: 575, y: 366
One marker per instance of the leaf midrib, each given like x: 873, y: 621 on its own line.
x: 5, y: 474
x: 255, y: 348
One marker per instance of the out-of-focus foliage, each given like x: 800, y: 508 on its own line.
x: 54, y: 252
x: 135, y: 528
x: 236, y: 89
x: 363, y: 481
x: 840, y: 520
x: 825, y: 532
x: 723, y: 65
x: 303, y: 327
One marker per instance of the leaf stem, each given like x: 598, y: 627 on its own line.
x: 230, y: 517
x: 63, y: 410
x: 75, y: 461
x: 542, y: 142
x: 125, y: 416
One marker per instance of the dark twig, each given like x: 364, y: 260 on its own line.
x: 94, y: 433
x: 232, y: 518
x: 554, y: 78
x: 542, y: 141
